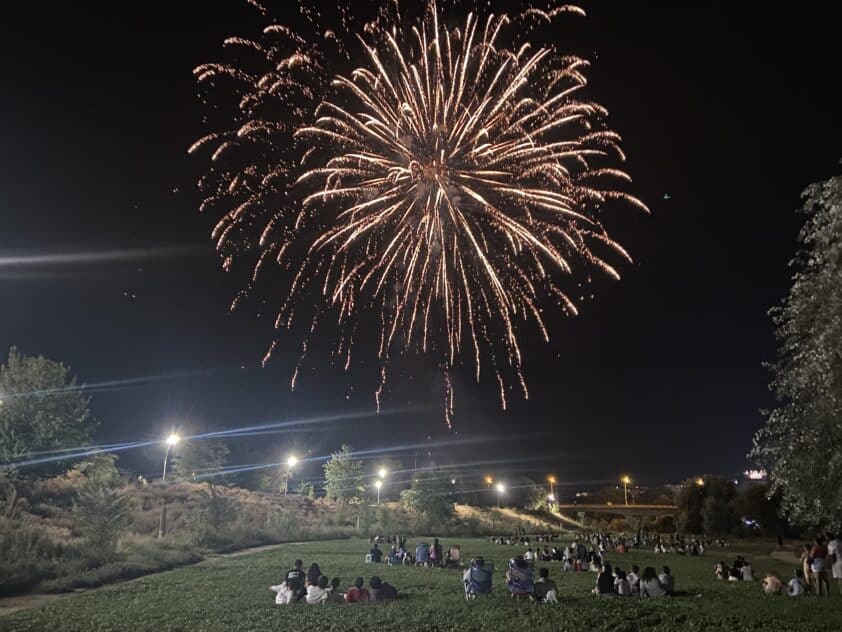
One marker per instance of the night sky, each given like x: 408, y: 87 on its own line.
x: 728, y: 110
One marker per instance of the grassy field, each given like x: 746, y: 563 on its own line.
x: 228, y: 594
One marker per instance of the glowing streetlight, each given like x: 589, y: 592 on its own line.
x: 382, y: 472
x: 292, y: 461
x: 700, y: 482
x: 489, y: 480
x: 501, y: 489
x: 377, y: 485
x: 453, y: 481
x: 551, y: 480
x: 626, y: 480
x: 171, y: 441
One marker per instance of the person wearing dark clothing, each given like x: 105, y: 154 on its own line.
x: 381, y: 591
x: 295, y: 580
x: 605, y: 581
x: 376, y: 554
x: 313, y: 574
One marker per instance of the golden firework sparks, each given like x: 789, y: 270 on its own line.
x: 448, y: 183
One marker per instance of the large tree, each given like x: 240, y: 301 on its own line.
x: 344, y: 475
x: 42, y: 407
x: 801, y: 443
x: 431, y: 494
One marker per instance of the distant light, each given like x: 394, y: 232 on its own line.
x: 292, y: 461
x: 501, y: 489
x: 551, y: 479
x: 488, y: 480
x: 382, y: 472
x: 755, y: 475
x: 626, y: 480
x: 378, y: 483
x: 700, y: 481
x: 551, y: 498
x: 173, y: 439
x: 453, y: 481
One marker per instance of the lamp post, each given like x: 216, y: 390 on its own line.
x: 377, y: 485
x: 171, y: 442
x: 292, y: 461
x: 501, y: 489
x: 700, y: 482
x: 551, y: 480
x: 626, y: 482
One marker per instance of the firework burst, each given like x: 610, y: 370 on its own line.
x: 448, y: 183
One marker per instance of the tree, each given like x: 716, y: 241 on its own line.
x: 718, y: 515
x: 690, y: 500
x: 430, y: 494
x: 41, y: 408
x: 102, y: 508
x: 344, y: 475
x: 199, y: 456
x: 800, y: 444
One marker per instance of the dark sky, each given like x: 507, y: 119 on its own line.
x: 728, y: 110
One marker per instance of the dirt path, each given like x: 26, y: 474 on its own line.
x: 8, y: 605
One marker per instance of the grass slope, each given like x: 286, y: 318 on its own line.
x: 229, y: 594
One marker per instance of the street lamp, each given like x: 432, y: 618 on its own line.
x: 382, y: 472
x: 551, y: 498
x: 700, y: 482
x: 551, y: 480
x: 171, y: 441
x: 489, y: 480
x: 626, y: 482
x: 292, y: 461
x: 501, y: 489
x: 377, y: 485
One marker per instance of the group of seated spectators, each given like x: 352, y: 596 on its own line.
x: 425, y: 554
x: 314, y: 588
x: 739, y: 571
x: 615, y: 581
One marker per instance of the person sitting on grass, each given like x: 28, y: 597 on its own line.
x: 604, y: 581
x: 436, y: 553
x: 545, y: 588
x: 357, y: 592
x: 797, y: 586
x: 650, y: 586
x: 295, y: 580
x: 634, y: 579
x: 313, y: 574
x: 621, y: 584
x: 380, y: 590
x: 282, y: 593
x: 721, y: 571
x: 747, y: 572
x: 376, y: 554
x: 772, y: 584
x: 317, y: 593
x: 734, y: 574
x: 667, y: 580
x: 333, y: 594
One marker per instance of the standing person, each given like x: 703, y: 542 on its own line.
x: 834, y: 558
x: 357, y: 592
x: 805, y: 565
x: 295, y: 580
x: 436, y: 553
x: 818, y: 567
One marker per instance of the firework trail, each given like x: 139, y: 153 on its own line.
x: 444, y: 179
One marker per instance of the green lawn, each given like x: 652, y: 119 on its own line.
x: 229, y: 594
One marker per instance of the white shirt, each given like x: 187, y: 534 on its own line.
x: 283, y: 594
x: 529, y: 555
x: 315, y: 594
x: 634, y: 582
x: 745, y: 571
x: 667, y: 581
x: 622, y: 587
x: 796, y: 588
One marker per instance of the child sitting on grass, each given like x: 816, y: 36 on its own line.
x: 334, y: 595
x: 357, y: 592
x: 317, y: 593
x: 797, y: 585
x: 545, y: 589
x: 283, y: 593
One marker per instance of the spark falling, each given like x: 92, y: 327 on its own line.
x: 444, y: 181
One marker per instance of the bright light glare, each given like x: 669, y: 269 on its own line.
x: 292, y: 461
x: 382, y: 472
x: 551, y: 479
x: 626, y: 480
x: 173, y: 439
x: 488, y: 480
x: 378, y: 484
x: 700, y: 481
x: 551, y: 498
x: 501, y: 489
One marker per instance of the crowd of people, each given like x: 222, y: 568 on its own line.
x: 314, y: 588
x: 823, y: 555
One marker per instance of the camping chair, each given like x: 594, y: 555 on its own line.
x: 479, y: 581
x: 454, y: 556
x: 520, y: 580
x: 422, y: 554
